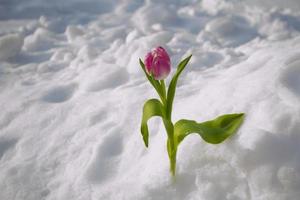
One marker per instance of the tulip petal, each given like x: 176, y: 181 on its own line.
x: 158, y: 63
x: 148, y: 62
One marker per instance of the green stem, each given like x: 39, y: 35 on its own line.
x: 173, y: 162
x: 161, y: 90
x: 172, y: 155
x: 170, y: 131
x: 163, y: 95
x: 163, y: 86
x: 169, y: 106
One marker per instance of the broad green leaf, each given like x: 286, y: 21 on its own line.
x: 172, y: 86
x: 152, y: 107
x: 155, y: 83
x: 214, y: 131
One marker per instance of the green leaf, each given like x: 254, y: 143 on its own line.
x: 172, y: 86
x: 152, y: 107
x: 214, y: 131
x: 150, y: 78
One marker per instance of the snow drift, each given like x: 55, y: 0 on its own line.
x: 71, y: 93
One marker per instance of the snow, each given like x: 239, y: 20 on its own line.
x: 72, y: 91
x: 10, y: 46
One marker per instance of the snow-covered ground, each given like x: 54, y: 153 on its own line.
x: 71, y: 97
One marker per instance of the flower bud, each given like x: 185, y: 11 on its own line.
x: 157, y: 63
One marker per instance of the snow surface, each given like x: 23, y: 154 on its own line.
x: 71, y: 97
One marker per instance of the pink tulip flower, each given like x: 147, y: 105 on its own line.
x: 157, y: 63
x: 156, y: 67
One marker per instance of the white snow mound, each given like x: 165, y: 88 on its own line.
x: 71, y: 98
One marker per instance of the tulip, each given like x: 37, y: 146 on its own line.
x: 156, y: 67
x: 157, y: 63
